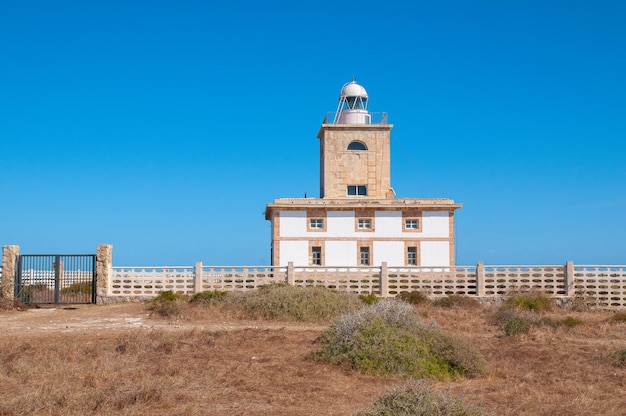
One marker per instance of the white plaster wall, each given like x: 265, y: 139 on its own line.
x: 435, y: 224
x: 340, y: 253
x: 295, y: 251
x: 292, y: 224
x: 388, y: 224
x: 340, y: 224
x: 434, y: 253
x: 390, y: 251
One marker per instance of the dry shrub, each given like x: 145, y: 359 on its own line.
x: 618, y: 358
x: 522, y: 311
x: 165, y: 304
x: 388, y: 338
x: 619, y: 317
x: 414, y: 297
x: 457, y: 301
x: 532, y: 301
x: 208, y: 297
x: 308, y: 304
x: 12, y: 305
x: 78, y: 287
x: 566, y: 322
x: 416, y: 398
x: 581, y: 303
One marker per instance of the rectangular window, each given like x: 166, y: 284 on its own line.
x: 364, y: 224
x: 357, y: 190
x: 316, y: 223
x: 411, y: 224
x: 411, y: 256
x: 364, y: 256
x: 316, y: 256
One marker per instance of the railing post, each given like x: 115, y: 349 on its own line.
x: 104, y: 263
x: 10, y: 255
x: 58, y: 277
x: 197, y: 278
x: 384, y: 280
x: 291, y: 279
x: 568, y: 279
x: 480, y: 279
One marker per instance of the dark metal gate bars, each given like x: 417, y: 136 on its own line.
x: 56, y: 278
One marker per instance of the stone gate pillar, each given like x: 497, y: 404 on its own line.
x: 104, y: 262
x: 9, y: 268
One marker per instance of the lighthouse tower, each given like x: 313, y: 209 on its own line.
x: 357, y: 220
x: 354, y: 152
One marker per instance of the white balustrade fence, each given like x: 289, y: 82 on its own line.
x: 229, y: 278
x: 149, y: 281
x: 362, y: 280
x: 500, y: 280
x: 603, y: 286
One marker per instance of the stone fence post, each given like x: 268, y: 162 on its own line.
x: 197, y: 278
x: 568, y: 279
x: 480, y: 279
x: 384, y: 280
x: 9, y: 269
x: 104, y: 263
x: 291, y: 279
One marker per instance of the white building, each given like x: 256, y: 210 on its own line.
x: 357, y: 220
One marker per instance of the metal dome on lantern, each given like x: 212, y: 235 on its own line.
x: 352, y: 107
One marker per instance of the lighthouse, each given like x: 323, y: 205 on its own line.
x: 357, y: 220
x: 354, y: 152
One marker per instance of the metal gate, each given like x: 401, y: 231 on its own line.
x: 56, y: 278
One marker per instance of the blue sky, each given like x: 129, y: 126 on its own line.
x: 164, y: 128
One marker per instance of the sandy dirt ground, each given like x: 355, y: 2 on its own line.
x: 125, y: 316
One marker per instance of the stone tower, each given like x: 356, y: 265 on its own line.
x: 354, y: 153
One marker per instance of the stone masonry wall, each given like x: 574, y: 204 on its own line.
x: 9, y: 265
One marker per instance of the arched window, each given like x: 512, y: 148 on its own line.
x: 357, y: 146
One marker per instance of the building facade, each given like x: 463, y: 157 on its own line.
x: 358, y: 221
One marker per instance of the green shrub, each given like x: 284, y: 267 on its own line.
x: 515, y: 325
x: 208, y: 297
x: 166, y: 304
x: 312, y: 304
x: 532, y: 301
x: 416, y: 398
x: 388, y: 338
x: 369, y: 299
x: 414, y: 298
x: 456, y: 301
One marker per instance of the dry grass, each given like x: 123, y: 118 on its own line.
x: 204, y: 363
x: 194, y: 372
